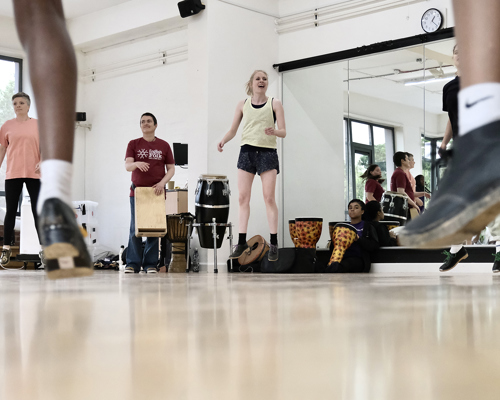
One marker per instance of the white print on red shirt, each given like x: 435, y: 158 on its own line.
x: 143, y: 153
x: 153, y: 154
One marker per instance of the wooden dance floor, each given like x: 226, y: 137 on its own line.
x: 203, y: 336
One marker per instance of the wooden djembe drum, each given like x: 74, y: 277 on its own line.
x: 293, y: 232
x: 343, y: 236
x: 177, y: 233
x: 305, y: 232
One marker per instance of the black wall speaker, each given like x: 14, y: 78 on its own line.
x: 81, y: 116
x: 181, y: 153
x: 190, y: 7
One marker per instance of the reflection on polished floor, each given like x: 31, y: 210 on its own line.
x: 177, y: 336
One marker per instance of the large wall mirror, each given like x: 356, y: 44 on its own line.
x: 343, y: 116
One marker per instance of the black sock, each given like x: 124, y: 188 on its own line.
x: 274, y: 239
x: 242, y: 238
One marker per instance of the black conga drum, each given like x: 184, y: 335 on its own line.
x: 395, y: 207
x: 212, y: 201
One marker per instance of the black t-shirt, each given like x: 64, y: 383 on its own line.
x: 450, y: 102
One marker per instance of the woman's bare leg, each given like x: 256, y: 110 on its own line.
x: 245, y: 181
x: 269, y: 189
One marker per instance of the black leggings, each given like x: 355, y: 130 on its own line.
x: 13, y: 189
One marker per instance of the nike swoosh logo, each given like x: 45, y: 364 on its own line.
x: 469, y: 105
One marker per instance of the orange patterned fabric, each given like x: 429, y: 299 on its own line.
x: 293, y: 233
x: 308, y: 233
x: 342, y: 238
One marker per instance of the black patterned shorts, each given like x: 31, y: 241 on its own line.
x: 258, y: 161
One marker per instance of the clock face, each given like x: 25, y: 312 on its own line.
x: 432, y: 20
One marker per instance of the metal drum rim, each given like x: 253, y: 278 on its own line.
x: 211, y: 206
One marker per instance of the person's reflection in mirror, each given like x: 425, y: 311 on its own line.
x: 420, y: 188
x: 399, y: 180
x: 413, y: 182
x: 373, y: 187
x: 374, y: 214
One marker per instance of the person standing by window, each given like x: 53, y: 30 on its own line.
x: 19, y: 140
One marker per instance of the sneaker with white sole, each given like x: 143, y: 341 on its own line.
x: 5, y: 256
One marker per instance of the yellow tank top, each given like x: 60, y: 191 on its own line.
x: 255, y: 121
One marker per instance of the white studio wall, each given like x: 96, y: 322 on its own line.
x: 114, y: 103
x: 240, y: 41
x: 350, y: 32
x: 313, y: 160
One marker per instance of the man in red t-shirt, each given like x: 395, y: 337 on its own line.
x: 399, y: 180
x: 146, y: 157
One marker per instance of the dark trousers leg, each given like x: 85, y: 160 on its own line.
x: 348, y: 265
x: 13, y: 189
x: 33, y: 186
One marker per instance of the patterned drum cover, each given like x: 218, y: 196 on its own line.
x: 308, y: 231
x: 343, y: 237
x: 331, y: 226
x: 293, y: 232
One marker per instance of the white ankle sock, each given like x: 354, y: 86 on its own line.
x: 478, y: 105
x: 56, y: 181
x: 455, y: 249
x: 497, y: 246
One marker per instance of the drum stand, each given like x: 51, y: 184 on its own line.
x: 214, y: 226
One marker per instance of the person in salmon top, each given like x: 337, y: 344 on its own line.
x: 20, y: 142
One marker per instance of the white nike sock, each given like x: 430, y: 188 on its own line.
x: 478, y: 105
x: 455, y: 248
x: 56, y: 182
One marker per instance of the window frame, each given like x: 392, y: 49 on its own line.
x: 353, y: 147
x: 20, y: 89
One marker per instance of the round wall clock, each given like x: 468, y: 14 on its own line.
x: 432, y: 20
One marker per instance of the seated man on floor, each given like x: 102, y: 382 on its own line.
x: 374, y: 214
x: 353, y: 243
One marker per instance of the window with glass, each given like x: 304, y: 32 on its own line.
x: 366, y: 143
x: 10, y: 84
x: 433, y: 166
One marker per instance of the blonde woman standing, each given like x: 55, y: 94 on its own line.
x: 258, y: 154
